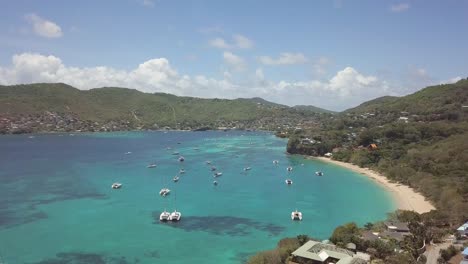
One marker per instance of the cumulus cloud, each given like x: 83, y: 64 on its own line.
x: 346, y: 88
x: 219, y: 43
x: 402, y: 7
x: 242, y: 42
x: 235, y: 62
x: 285, y: 58
x: 44, y: 28
x: 238, y: 42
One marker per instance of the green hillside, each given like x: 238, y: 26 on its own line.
x: 138, y: 109
x: 421, y: 141
x: 312, y: 108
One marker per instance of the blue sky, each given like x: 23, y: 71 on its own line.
x: 333, y: 54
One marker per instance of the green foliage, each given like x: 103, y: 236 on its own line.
x: 143, y: 109
x: 447, y: 254
x: 345, y: 234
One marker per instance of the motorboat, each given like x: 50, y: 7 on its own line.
x: 215, y: 183
x: 181, y: 158
x: 289, y: 168
x: 217, y: 174
x: 175, y: 216
x: 319, y: 173
x: 176, y: 178
x: 116, y: 185
x: 296, y: 215
x: 164, y: 192
x: 247, y: 169
x: 275, y: 162
x: 181, y: 171
x: 288, y: 181
x: 150, y: 166
x: 164, y: 216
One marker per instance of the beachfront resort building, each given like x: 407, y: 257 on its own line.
x: 314, y: 252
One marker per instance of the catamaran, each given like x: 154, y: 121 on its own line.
x: 288, y: 181
x: 289, y: 168
x: 319, y: 173
x: 116, y: 185
x: 176, y: 178
x: 296, y: 215
x: 164, y: 216
x: 164, y: 192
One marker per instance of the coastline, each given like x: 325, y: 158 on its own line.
x: 405, y: 197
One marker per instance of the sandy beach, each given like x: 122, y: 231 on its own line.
x: 405, y: 197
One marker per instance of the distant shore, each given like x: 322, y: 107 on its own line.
x: 405, y: 197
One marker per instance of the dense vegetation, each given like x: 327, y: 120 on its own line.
x: 421, y: 140
x: 142, y: 109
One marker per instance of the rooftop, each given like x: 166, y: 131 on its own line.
x: 321, y: 252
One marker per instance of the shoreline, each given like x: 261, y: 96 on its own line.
x: 405, y: 197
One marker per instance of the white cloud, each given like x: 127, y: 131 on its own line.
x: 451, y: 80
x: 235, y: 62
x: 148, y: 3
x: 44, y: 28
x: 319, y: 66
x: 242, y: 42
x: 402, y: 7
x: 238, y: 42
x: 285, y: 58
x: 347, y: 88
x: 219, y: 43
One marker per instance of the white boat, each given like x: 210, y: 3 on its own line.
x: 128, y: 153
x: 181, y: 171
x: 275, y: 162
x: 175, y: 216
x: 164, y: 192
x: 215, y: 183
x: 217, y: 174
x: 319, y: 173
x: 181, y: 158
x: 289, y: 168
x: 296, y: 215
x: 164, y: 216
x: 150, y: 166
x: 247, y: 169
x: 116, y: 185
x: 288, y: 181
x: 176, y: 178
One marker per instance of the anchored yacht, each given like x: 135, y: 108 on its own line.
x: 296, y: 215
x: 116, y: 185
x: 164, y: 216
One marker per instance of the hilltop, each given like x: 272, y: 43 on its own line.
x: 419, y: 140
x: 60, y: 107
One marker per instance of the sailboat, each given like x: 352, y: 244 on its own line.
x: 164, y: 216
x: 175, y: 216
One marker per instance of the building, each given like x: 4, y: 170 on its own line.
x: 314, y: 252
x: 465, y: 256
x: 463, y: 230
x: 396, y: 226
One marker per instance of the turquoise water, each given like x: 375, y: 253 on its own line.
x: 56, y: 204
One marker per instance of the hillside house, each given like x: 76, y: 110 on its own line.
x: 465, y: 256
x: 315, y: 252
x: 463, y: 230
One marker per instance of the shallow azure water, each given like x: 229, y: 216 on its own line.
x: 56, y: 204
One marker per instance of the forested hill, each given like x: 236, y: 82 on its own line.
x: 420, y: 140
x: 443, y: 99
x: 61, y: 107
